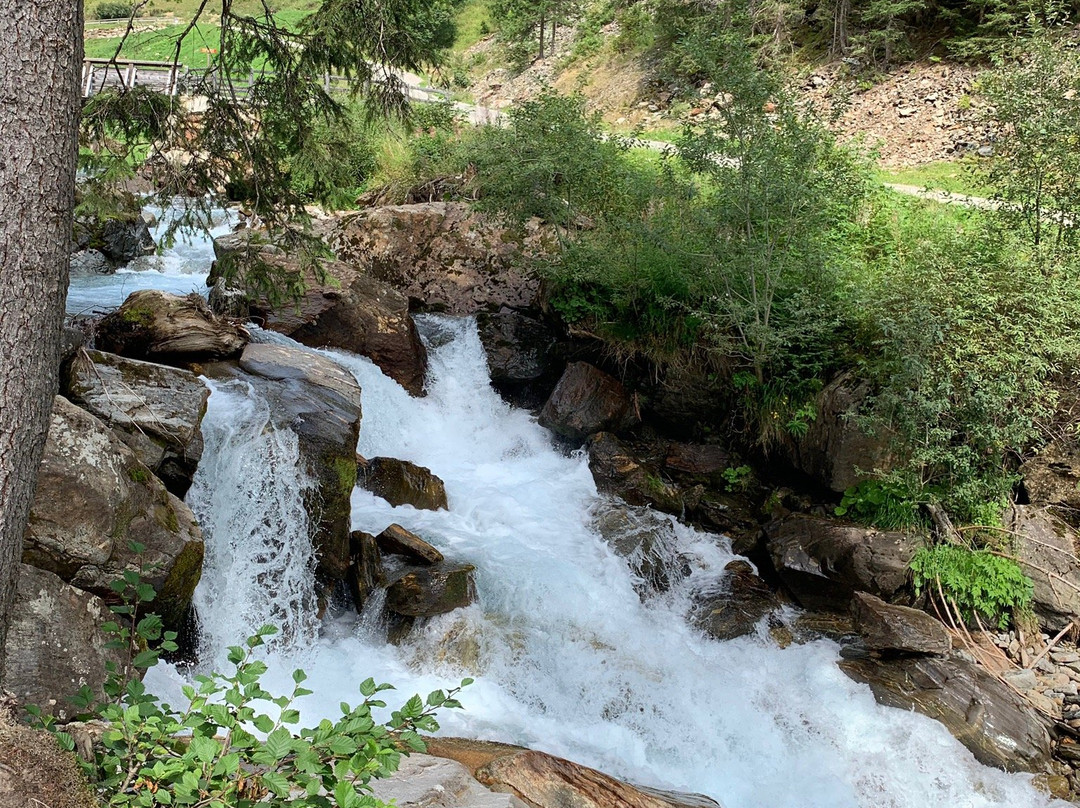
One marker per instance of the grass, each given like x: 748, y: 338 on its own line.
x: 955, y: 177
x: 473, y: 20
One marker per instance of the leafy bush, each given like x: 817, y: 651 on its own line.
x: 110, y: 10
x: 235, y: 743
x: 880, y: 503
x: 975, y: 581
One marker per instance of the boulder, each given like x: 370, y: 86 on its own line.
x: 646, y: 540
x: 164, y: 327
x: 1048, y: 550
x: 618, y: 470
x: 984, y: 714
x: 155, y: 409
x: 366, y: 574
x: 424, y: 781
x: 36, y: 772
x: 697, y: 459
x: 897, y: 629
x: 837, y: 451
x: 55, y: 644
x: 400, y: 482
x: 522, y: 355
x: 546, y: 781
x: 429, y: 591
x: 93, y: 499
x: 824, y: 562
x: 1052, y: 477
x: 586, y: 401
x: 396, y: 540
x: 339, y: 307
x: 120, y: 239
x: 90, y: 262
x: 319, y: 401
x: 739, y: 605
x: 443, y: 256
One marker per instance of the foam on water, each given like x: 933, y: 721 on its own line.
x: 566, y: 655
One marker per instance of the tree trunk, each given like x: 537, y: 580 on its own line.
x: 40, y: 68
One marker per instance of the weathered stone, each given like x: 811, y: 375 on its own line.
x: 366, y: 574
x: 424, y: 781
x: 885, y: 627
x: 738, y: 607
x: 998, y: 727
x: 400, y: 482
x: 155, y: 409
x: 90, y: 262
x: 120, y: 239
x: 586, y: 401
x: 396, y: 540
x: 319, y: 401
x: 163, y: 327
x: 617, y: 470
x: 93, y: 499
x: 432, y: 590
x: 1052, y: 477
x: 55, y: 644
x: 1023, y: 679
x: 36, y: 773
x: 443, y: 255
x: 697, y: 459
x: 546, y: 781
x: 1047, y: 548
x: 824, y: 562
x: 340, y: 307
x: 646, y: 540
x: 836, y: 450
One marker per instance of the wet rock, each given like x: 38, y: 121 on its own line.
x: 897, y: 629
x: 998, y: 727
x: 432, y: 590
x: 93, y: 498
x: 168, y: 328
x: 55, y: 644
x: 400, y: 482
x: 617, y: 470
x: 646, y: 540
x: 120, y: 239
x: 340, y: 307
x: 1047, y: 548
x: 824, y: 562
x: 366, y: 574
x: 836, y: 450
x: 443, y: 255
x: 586, y: 401
x: 155, y: 409
x: 319, y: 401
x: 396, y: 540
x: 522, y: 356
x: 738, y: 606
x: 90, y: 262
x: 697, y: 459
x: 1052, y: 477
x: 546, y: 781
x: 36, y: 772
x: 424, y: 781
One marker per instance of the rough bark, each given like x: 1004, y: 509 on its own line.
x: 39, y: 108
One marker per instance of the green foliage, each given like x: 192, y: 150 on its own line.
x: 880, y: 503
x: 737, y: 478
x: 114, y: 10
x: 527, y: 27
x: 976, y: 581
x: 235, y: 743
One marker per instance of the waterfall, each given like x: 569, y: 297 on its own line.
x: 567, y: 656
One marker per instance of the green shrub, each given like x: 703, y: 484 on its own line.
x: 975, y: 581
x: 880, y: 503
x: 118, y: 10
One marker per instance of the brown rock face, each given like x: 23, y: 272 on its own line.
x: 1053, y: 476
x: 93, y: 499
x: 155, y: 409
x: 998, y: 726
x: 342, y: 308
x: 168, y: 328
x: 366, y: 573
x: 400, y: 482
x: 55, y: 644
x: 431, y: 591
x: 737, y: 611
x: 1047, y: 548
x: 586, y: 401
x: 889, y: 628
x: 442, y: 255
x: 617, y: 470
x: 824, y: 562
x: 35, y: 771
x: 396, y: 540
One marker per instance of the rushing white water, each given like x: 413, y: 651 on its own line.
x: 180, y: 269
x: 567, y: 657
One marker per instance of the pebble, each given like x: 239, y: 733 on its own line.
x: 1023, y: 679
x: 1064, y: 657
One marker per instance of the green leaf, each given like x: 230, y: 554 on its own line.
x: 263, y: 723
x: 279, y: 743
x: 277, y: 783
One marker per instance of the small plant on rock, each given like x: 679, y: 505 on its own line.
x: 972, y: 583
